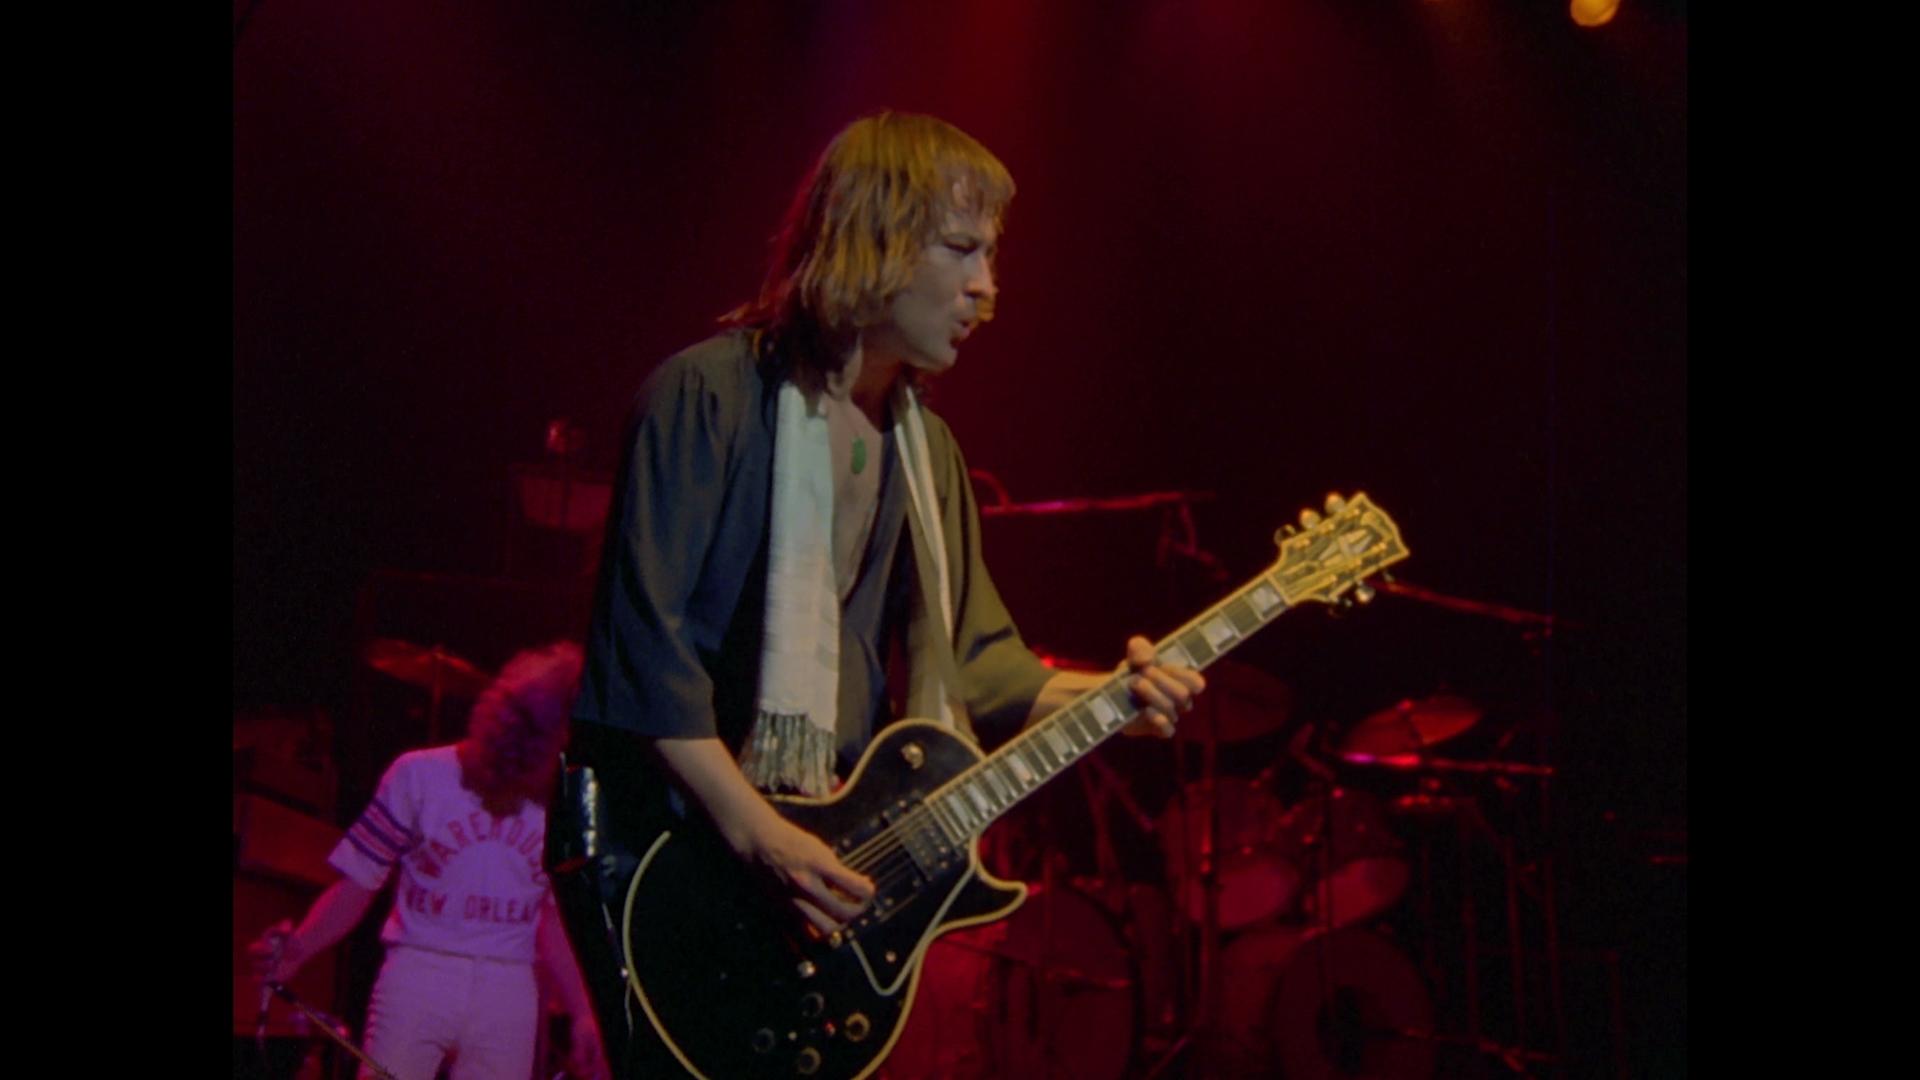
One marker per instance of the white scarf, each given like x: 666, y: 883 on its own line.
x: 791, y: 744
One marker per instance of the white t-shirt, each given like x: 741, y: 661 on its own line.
x: 470, y: 883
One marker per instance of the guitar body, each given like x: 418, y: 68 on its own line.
x: 729, y: 978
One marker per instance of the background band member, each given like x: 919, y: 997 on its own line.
x: 459, y: 829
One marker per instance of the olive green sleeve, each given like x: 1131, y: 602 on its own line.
x: 999, y: 676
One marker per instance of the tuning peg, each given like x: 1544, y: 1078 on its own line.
x: 1308, y: 519
x: 1335, y: 503
x: 1363, y: 592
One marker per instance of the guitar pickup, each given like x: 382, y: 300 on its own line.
x: 922, y: 838
x: 930, y: 851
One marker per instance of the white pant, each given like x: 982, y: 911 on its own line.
x: 480, y: 1015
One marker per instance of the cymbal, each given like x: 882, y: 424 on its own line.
x: 1409, y: 762
x: 427, y: 667
x: 1411, y: 725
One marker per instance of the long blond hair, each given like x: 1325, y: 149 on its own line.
x: 517, y: 724
x: 856, y: 226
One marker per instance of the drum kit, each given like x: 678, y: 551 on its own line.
x: 1262, y: 947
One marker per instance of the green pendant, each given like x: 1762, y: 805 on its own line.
x: 859, y: 454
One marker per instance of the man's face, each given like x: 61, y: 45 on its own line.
x: 939, y: 308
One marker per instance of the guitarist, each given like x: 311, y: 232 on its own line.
x: 794, y: 546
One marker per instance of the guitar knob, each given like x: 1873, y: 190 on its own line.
x: 808, y: 1062
x: 1335, y: 503
x: 812, y: 1005
x: 858, y: 1027
x: 764, y: 1041
x: 1308, y: 519
x: 1363, y: 593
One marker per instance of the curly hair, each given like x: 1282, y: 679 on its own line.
x: 518, y: 723
x: 857, y: 225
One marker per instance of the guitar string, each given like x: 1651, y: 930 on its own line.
x: 889, y: 840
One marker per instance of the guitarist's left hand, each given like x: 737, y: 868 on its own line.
x: 1164, y: 691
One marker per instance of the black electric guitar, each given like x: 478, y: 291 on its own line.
x: 736, y: 989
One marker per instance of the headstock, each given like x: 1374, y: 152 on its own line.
x: 1327, y: 556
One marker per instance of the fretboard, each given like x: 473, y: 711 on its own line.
x: 968, y: 803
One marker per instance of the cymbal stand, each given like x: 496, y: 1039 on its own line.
x: 1471, y: 824
x: 1202, y: 984
x: 1513, y: 878
x: 1322, y: 894
x: 1179, y: 540
x: 1538, y: 631
x: 1095, y: 783
x: 1043, y: 969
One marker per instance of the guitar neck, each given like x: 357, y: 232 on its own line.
x: 970, y: 802
x: 1327, y: 559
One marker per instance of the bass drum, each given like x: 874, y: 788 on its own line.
x: 1297, y: 1005
x: 1050, y: 991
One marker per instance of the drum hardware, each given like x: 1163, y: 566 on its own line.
x: 1197, y: 869
x: 1438, y: 799
x: 1538, y: 631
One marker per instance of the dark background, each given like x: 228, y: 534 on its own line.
x: 1430, y: 249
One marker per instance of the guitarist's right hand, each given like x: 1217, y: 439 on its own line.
x: 805, y: 870
x: 802, y: 868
